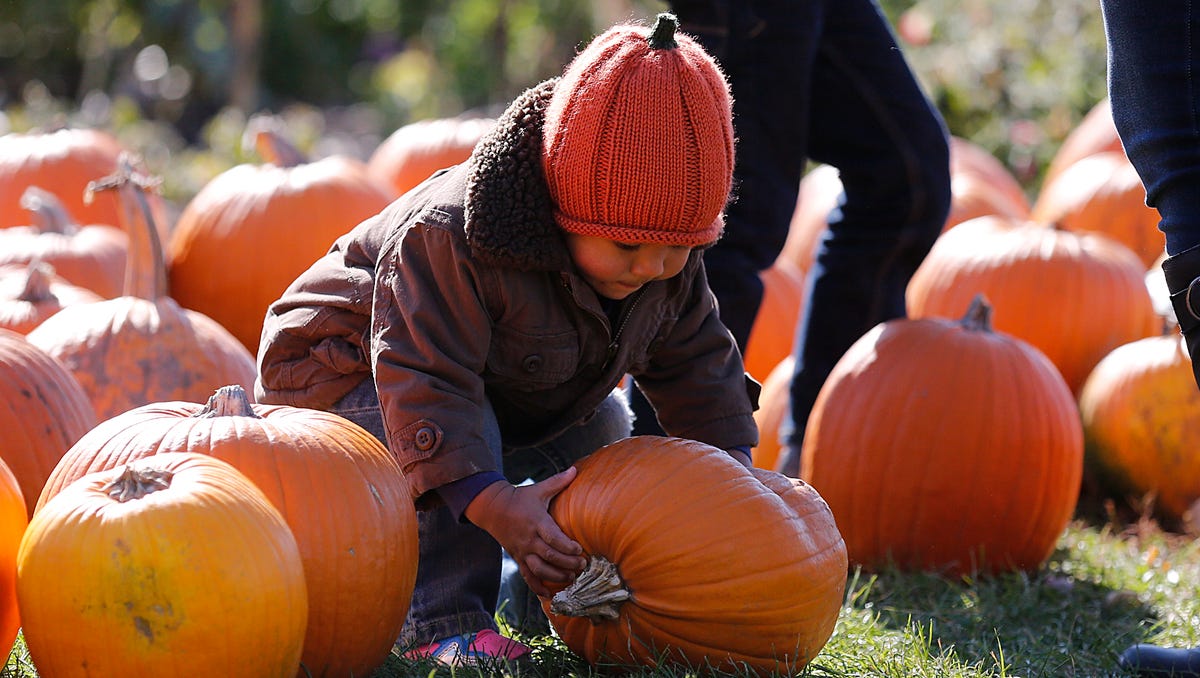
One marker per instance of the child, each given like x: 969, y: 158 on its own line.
x: 499, y: 304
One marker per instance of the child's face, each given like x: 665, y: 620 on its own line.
x: 616, y: 269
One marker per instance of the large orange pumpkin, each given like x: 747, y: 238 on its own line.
x: 13, y: 521
x: 171, y: 566
x: 1103, y: 193
x: 1074, y: 296
x: 44, y: 411
x: 142, y: 347
x: 696, y: 560
x: 32, y: 292
x: 1095, y: 133
x: 414, y: 151
x: 62, y: 161
x: 941, y: 445
x: 93, y: 256
x: 774, y: 329
x: 339, y: 489
x: 1141, y: 422
x: 250, y: 231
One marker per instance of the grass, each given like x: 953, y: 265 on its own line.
x: 1104, y: 588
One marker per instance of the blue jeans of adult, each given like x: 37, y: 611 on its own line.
x: 1154, y: 89
x: 460, y: 566
x: 823, y: 80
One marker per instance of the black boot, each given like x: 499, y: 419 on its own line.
x: 1152, y: 661
x: 1182, y: 273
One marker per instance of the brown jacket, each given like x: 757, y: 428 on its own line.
x: 462, y: 290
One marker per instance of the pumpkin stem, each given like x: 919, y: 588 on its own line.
x: 597, y: 594
x: 979, y: 315
x: 38, y: 276
x: 49, y: 214
x: 264, y: 134
x: 136, y: 483
x: 662, y: 36
x: 145, y: 244
x: 228, y: 401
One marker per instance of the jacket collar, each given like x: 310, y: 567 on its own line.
x: 509, y: 213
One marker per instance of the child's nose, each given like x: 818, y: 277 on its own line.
x: 649, y: 264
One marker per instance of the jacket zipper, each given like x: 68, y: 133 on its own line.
x: 615, y: 344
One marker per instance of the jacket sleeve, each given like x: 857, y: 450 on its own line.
x: 696, y: 380
x: 430, y: 333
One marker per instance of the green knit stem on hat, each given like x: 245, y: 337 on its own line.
x: 663, y: 34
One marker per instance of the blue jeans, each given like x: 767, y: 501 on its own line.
x: 460, y: 565
x: 1154, y: 88
x: 823, y: 80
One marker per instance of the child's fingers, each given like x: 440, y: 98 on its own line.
x: 555, y: 483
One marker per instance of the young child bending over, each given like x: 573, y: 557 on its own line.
x: 481, y: 324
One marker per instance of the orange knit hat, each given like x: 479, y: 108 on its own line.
x: 638, y: 139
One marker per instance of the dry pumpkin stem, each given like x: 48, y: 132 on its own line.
x: 228, y: 401
x: 135, y: 483
x: 597, y: 594
x: 37, y: 282
x: 132, y: 186
x: 48, y: 210
x: 979, y: 315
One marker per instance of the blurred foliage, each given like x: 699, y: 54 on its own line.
x: 176, y: 79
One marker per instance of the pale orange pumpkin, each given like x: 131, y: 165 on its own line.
x: 695, y: 560
x: 943, y: 446
x: 774, y: 329
x: 251, y: 230
x: 62, y: 162
x: 32, y: 292
x: 1075, y: 296
x: 414, y: 151
x: 1141, y: 422
x: 13, y: 521
x: 92, y: 256
x: 1103, y: 193
x: 339, y: 489
x: 1095, y: 133
x: 43, y: 412
x: 142, y: 347
x: 774, y: 405
x: 820, y: 189
x: 178, y: 565
x: 980, y: 185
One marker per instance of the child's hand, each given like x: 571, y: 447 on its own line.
x: 518, y: 518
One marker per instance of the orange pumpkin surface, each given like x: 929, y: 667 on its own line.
x: 1141, y: 422
x: 414, y: 151
x: 30, y: 293
x: 62, y: 162
x: 774, y: 329
x: 250, y: 231
x: 178, y: 565
x: 1074, y: 296
x: 943, y: 446
x: 339, y: 489
x: 13, y: 521
x: 708, y: 563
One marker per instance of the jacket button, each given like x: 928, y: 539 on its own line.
x: 425, y: 438
x: 532, y: 363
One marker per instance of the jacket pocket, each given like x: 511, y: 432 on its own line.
x: 531, y: 362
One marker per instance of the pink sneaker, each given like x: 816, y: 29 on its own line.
x: 472, y: 649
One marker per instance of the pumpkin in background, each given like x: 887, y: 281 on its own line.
x: 1095, y: 133
x: 43, y: 412
x: 253, y: 229
x: 1103, y: 193
x: 62, y: 161
x: 339, y: 489
x: 696, y: 560
x: 943, y: 446
x: 1074, y: 296
x: 13, y: 521
x: 30, y: 293
x: 91, y: 256
x: 820, y: 190
x: 414, y: 151
x: 142, y: 347
x: 774, y: 405
x: 774, y: 329
x: 174, y: 565
x: 1141, y: 423
x: 981, y: 185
